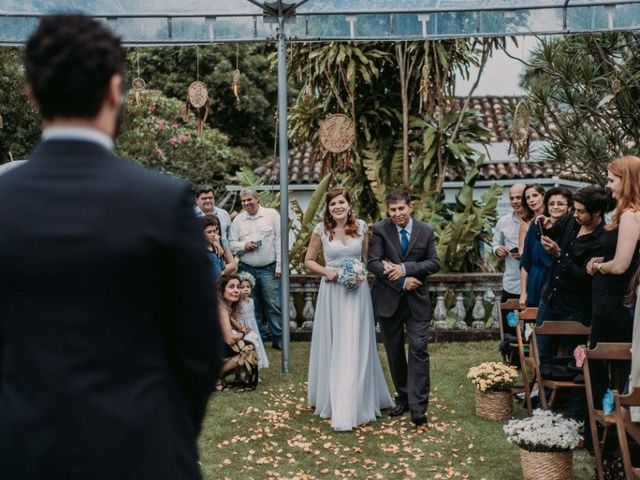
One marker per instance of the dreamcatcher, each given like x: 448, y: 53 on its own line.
x: 198, y: 98
x: 424, y: 87
x: 138, y: 84
x: 337, y: 134
x: 235, y: 84
x: 520, y: 130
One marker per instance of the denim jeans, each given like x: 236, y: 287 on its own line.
x: 266, y: 298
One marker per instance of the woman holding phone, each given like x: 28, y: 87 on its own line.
x: 535, y: 262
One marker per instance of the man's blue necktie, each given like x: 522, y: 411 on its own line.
x: 404, y: 241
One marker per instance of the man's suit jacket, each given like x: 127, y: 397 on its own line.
x: 420, y: 261
x: 109, y: 340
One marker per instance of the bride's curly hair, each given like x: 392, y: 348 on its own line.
x: 351, y: 227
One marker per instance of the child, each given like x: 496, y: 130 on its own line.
x: 246, y: 315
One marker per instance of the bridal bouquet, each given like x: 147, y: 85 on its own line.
x: 544, y: 431
x: 351, y: 273
x: 493, y: 376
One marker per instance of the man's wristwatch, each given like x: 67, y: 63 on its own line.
x: 558, y: 254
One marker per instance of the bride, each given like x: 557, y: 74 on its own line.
x: 346, y: 382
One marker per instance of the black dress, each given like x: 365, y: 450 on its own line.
x: 611, y: 320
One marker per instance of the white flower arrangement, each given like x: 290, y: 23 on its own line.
x: 493, y: 376
x: 544, y: 431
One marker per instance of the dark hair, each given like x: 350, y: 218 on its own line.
x: 595, y: 199
x: 200, y: 189
x: 208, y: 220
x: 69, y: 61
x: 397, y: 196
x: 564, y: 191
x: 528, y: 213
x: 351, y: 227
x: 222, y: 284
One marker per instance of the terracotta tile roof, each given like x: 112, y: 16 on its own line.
x: 496, y: 116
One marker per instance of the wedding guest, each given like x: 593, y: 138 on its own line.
x: 238, y: 347
x: 346, y: 382
x: 505, y: 245
x: 568, y: 292
x: 611, y: 320
x: 534, y: 261
x: 532, y: 207
x: 255, y: 238
x: 217, y: 248
x: 205, y: 205
x: 247, y: 317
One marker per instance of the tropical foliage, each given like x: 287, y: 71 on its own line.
x: 409, y: 127
x: 588, y: 87
x: 248, y: 119
x: 21, y: 122
x: 155, y: 135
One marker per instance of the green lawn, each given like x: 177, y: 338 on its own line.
x: 271, y: 433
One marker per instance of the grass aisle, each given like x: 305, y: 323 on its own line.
x: 271, y: 433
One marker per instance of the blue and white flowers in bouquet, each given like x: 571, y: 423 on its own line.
x: 351, y: 273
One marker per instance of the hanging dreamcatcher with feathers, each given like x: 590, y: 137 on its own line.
x: 520, y: 130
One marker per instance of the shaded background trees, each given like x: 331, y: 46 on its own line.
x: 589, y: 84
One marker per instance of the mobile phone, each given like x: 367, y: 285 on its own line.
x: 258, y: 243
x: 539, y: 232
x: 514, y: 250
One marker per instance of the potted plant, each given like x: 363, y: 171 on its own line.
x: 546, y: 442
x: 493, y: 381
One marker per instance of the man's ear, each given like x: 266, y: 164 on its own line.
x: 30, y: 96
x: 115, y: 95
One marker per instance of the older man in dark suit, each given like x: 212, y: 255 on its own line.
x: 109, y: 343
x: 402, y: 254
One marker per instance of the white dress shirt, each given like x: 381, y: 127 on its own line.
x: 87, y: 134
x: 408, y: 230
x: 505, y: 234
x: 263, y: 226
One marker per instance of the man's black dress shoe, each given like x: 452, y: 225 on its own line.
x: 418, y: 419
x: 398, y: 410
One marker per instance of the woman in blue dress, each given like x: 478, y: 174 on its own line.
x: 535, y: 262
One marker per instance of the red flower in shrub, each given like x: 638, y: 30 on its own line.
x: 182, y: 138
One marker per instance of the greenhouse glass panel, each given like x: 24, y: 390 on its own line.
x: 202, y: 21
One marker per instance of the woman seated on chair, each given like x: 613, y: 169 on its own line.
x: 240, y: 353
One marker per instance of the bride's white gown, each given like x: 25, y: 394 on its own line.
x: 346, y: 381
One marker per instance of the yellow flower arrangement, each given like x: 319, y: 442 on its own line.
x: 493, y: 376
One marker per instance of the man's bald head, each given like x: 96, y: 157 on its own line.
x: 515, y: 197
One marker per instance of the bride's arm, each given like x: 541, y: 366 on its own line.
x: 310, y: 262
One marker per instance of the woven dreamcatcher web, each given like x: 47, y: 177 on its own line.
x: 337, y: 134
x: 198, y: 98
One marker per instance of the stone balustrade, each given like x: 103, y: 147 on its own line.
x: 470, y: 298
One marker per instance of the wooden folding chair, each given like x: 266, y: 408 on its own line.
x: 509, y: 305
x: 626, y: 427
x: 554, y: 328
x: 527, y: 362
x: 602, y: 352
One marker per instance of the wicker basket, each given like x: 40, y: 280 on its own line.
x: 546, y: 465
x: 497, y: 406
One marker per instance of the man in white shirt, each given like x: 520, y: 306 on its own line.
x: 505, y: 245
x: 205, y: 204
x: 255, y: 238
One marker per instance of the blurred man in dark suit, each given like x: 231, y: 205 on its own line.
x: 109, y: 342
